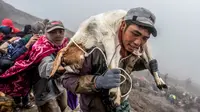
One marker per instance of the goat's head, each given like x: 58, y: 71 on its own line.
x: 70, y: 56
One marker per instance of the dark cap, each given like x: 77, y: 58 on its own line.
x: 54, y: 25
x: 143, y: 17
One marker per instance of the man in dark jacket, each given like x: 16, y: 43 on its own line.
x: 133, y: 32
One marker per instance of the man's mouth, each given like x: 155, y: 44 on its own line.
x: 135, y: 50
x: 131, y: 48
x: 59, y: 39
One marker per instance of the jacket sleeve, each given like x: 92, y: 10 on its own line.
x: 85, y: 82
x: 79, y: 84
x: 45, y: 67
x: 18, y: 52
x: 15, y: 50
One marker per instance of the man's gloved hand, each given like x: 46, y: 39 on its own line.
x: 110, y: 79
x: 153, y: 65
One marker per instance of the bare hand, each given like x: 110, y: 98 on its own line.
x: 33, y: 39
x: 12, y: 39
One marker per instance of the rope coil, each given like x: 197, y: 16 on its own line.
x: 87, y: 54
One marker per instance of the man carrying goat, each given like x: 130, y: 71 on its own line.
x: 129, y: 30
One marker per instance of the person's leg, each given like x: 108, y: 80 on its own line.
x: 50, y: 106
x: 62, y: 101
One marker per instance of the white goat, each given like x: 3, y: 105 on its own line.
x: 101, y: 29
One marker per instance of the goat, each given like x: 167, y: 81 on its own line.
x: 100, y: 29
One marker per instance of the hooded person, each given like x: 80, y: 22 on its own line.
x: 9, y: 30
x: 9, y: 23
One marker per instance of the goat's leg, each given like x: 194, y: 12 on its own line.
x: 159, y: 82
x: 109, y: 46
x: 116, y: 91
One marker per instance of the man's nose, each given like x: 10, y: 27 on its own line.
x: 137, y: 42
x: 57, y: 33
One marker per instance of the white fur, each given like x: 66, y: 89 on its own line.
x: 102, y: 29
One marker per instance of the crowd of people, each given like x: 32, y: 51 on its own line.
x: 24, y: 65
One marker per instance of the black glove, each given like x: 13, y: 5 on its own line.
x: 110, y: 79
x: 153, y: 65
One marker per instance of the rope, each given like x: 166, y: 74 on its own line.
x: 87, y: 54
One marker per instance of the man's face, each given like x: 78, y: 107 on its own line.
x: 56, y: 36
x: 134, y: 37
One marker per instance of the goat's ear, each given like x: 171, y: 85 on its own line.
x: 57, y: 62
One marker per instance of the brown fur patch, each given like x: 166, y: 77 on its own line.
x: 73, y: 55
x: 69, y: 56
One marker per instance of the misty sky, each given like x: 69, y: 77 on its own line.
x: 176, y: 46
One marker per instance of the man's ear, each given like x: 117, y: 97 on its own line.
x: 123, y: 26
